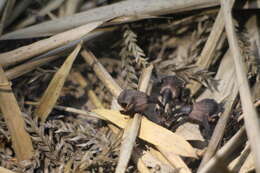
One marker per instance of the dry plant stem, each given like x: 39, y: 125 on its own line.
x: 52, y: 5
x: 52, y: 93
x: 69, y: 109
x: 2, y: 4
x: 237, y: 164
x: 21, y: 141
x: 124, y: 8
x: 101, y: 72
x: 42, y: 46
x: 94, y: 99
x: 176, y: 162
x: 4, y: 170
x: 27, y: 67
x: 91, y: 94
x: 19, y: 9
x: 71, y: 7
x: 251, y: 117
x: 221, y: 158
x: 152, y: 133
x: 9, y: 5
x: 149, y: 135
x: 217, y: 134
x: 70, y: 45
x: 133, y: 126
x: 207, y: 54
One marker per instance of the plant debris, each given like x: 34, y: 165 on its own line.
x: 171, y: 80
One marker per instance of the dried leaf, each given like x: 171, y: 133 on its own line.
x: 152, y: 133
x: 52, y: 93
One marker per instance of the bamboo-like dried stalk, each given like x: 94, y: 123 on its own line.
x: 9, y: 5
x: 237, y: 164
x: 101, y: 72
x: 2, y: 4
x: 221, y: 158
x: 71, y: 7
x: 27, y: 67
x: 52, y: 5
x: 133, y: 126
x: 19, y: 8
x: 218, y: 133
x: 26, y: 52
x: 251, y: 118
x: 21, y: 140
x: 52, y: 93
x: 207, y: 54
x: 124, y: 8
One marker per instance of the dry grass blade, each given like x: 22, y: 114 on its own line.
x: 251, y: 118
x: 101, y: 72
x: 124, y: 8
x: 152, y: 133
x: 133, y: 126
x: 42, y: 46
x: 12, y: 114
x: 27, y: 67
x: 52, y: 93
x: 3, y: 170
x: 71, y: 7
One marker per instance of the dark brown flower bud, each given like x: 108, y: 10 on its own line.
x: 138, y: 102
x: 205, y: 109
x: 133, y: 101
x: 171, y: 88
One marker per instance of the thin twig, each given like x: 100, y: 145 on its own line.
x: 27, y: 67
x: 133, y: 126
x: 251, y: 118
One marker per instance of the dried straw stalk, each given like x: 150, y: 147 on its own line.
x: 21, y: 140
x: 133, y: 126
x: 251, y: 118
